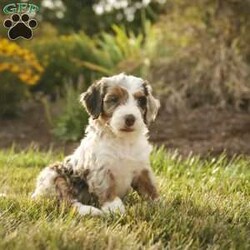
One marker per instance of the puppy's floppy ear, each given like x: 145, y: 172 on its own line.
x: 92, y: 99
x: 153, y: 104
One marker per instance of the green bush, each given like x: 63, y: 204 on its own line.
x: 71, y: 122
x: 58, y: 56
x: 66, y: 57
x: 123, y: 51
x: 19, y: 68
x: 12, y: 92
x: 207, y: 61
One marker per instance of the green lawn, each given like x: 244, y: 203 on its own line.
x: 204, y: 205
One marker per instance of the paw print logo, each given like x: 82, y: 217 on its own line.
x: 20, y: 26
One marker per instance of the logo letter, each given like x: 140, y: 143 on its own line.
x: 9, y: 8
x: 21, y: 7
x: 33, y: 8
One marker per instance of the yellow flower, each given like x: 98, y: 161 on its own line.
x: 3, y: 66
x: 24, y: 77
x: 15, y: 68
x: 21, y: 62
x: 33, y: 80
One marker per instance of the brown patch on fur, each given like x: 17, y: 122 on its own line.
x: 64, y: 190
x: 104, y: 118
x: 71, y: 186
x: 110, y: 193
x: 61, y: 169
x: 144, y: 186
x: 113, y: 98
x: 119, y: 92
x: 138, y: 94
x: 86, y: 173
x: 141, y: 98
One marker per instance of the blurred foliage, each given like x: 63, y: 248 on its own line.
x: 19, y: 61
x: 66, y: 57
x: 57, y: 56
x: 74, y: 15
x: 70, y: 15
x: 123, y: 51
x: 70, y: 123
x: 18, y: 67
x: 207, y: 62
x: 195, y: 53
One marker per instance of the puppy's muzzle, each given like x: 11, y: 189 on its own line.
x: 129, y: 121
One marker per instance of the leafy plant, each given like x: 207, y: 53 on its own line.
x: 57, y: 54
x: 207, y: 63
x: 18, y: 67
x: 123, y: 51
x: 67, y: 57
x: 71, y: 122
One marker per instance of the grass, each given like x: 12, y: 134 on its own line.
x: 204, y: 205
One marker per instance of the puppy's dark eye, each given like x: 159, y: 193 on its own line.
x: 112, y: 99
x: 142, y: 101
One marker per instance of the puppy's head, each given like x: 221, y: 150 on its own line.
x: 124, y: 103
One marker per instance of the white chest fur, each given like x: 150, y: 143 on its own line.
x: 124, y: 157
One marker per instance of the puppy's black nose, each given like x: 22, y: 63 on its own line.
x: 129, y: 120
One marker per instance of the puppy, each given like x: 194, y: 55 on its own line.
x: 113, y: 157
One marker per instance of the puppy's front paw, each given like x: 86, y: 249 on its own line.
x: 87, y: 210
x: 114, y: 206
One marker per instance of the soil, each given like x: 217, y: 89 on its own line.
x: 205, y: 131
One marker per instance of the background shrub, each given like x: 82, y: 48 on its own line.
x: 194, y: 53
x: 124, y: 51
x: 207, y: 63
x: 66, y: 57
x: 57, y: 57
x: 19, y: 68
x: 72, y: 119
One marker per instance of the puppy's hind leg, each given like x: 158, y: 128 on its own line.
x: 66, y: 194
x: 52, y: 182
x: 45, y: 184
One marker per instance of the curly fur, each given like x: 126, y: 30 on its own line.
x: 113, y: 157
